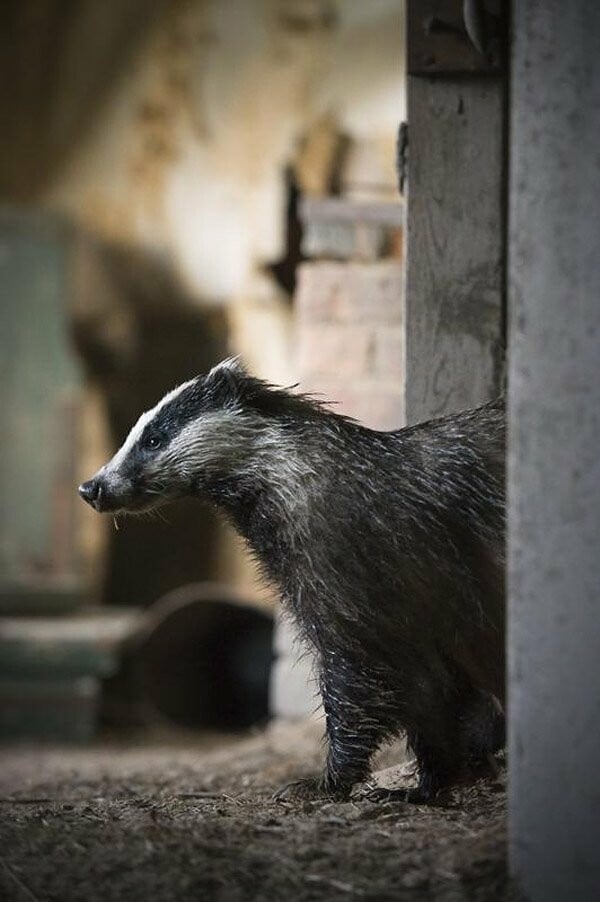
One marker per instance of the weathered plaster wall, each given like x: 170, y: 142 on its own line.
x: 187, y: 157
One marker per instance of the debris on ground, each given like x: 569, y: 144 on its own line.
x: 198, y: 821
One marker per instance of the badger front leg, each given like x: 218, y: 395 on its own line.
x: 352, y: 738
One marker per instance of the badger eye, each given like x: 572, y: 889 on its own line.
x: 153, y: 442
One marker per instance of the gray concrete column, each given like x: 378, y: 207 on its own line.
x: 554, y: 450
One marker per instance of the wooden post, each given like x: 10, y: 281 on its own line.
x: 456, y: 204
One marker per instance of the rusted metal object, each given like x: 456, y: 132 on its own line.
x: 49, y: 709
x: 455, y: 36
x: 51, y: 668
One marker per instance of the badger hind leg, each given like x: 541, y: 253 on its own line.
x: 454, y: 746
x: 439, y: 766
x: 484, y: 732
x: 467, y: 731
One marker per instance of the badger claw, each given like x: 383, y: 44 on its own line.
x: 302, y: 790
x: 308, y: 789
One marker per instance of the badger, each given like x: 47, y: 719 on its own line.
x: 387, y: 548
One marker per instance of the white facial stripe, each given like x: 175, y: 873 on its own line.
x: 230, y: 363
x: 141, y: 424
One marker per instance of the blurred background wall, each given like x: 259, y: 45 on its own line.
x: 182, y: 156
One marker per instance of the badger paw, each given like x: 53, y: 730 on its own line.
x: 309, y: 789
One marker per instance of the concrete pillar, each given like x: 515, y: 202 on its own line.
x: 554, y: 450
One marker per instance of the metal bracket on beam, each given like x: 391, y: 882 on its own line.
x: 452, y: 37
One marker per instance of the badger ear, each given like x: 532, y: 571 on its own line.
x: 226, y: 379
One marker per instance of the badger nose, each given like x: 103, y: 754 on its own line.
x: 90, y: 491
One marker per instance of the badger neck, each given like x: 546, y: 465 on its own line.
x: 270, y: 502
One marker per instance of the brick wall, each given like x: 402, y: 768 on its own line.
x: 351, y: 339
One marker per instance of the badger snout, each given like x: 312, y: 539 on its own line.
x: 94, y: 492
x: 108, y: 492
x: 102, y: 493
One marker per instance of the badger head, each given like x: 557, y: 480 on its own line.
x: 199, y: 433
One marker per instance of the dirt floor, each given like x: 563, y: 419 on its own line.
x: 197, y: 821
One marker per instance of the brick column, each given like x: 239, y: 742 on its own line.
x: 351, y: 337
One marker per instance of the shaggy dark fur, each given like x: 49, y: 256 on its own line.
x: 388, y: 549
